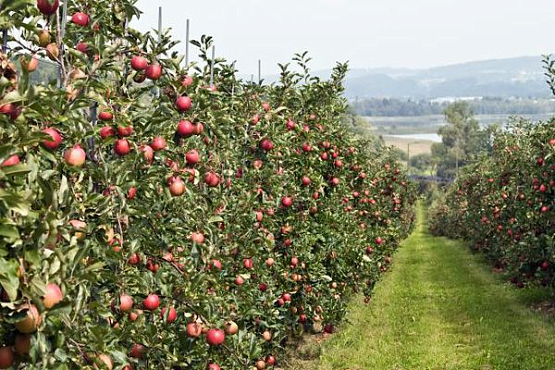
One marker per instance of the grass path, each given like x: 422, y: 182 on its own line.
x: 441, y: 307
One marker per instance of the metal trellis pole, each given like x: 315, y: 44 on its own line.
x: 187, y: 46
x: 259, y: 71
x: 212, y: 66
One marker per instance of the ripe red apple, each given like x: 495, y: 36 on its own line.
x: 131, y: 193
x: 260, y: 365
x: 185, y: 128
x: 338, y: 163
x: 214, y: 366
x: 197, y: 237
x: 306, y: 147
x: 286, y: 297
x: 378, y: 240
x: 48, y: 7
x: 106, y: 116
x: 198, y: 128
x: 270, y: 360
x: 262, y: 287
x: 11, y: 161
x: 53, y: 296
x: 290, y: 125
x: 266, y: 145
x: 139, y: 63
x: 153, y: 71
x: 172, y: 314
x: 75, y: 156
x: 7, y: 357
x: 239, y: 280
x: 56, y: 138
x: 217, y: 264
x: 306, y: 180
x: 122, y: 147
x: 158, y: 143
x: 29, y: 64
x: 335, y: 181
x: 248, y: 263
x: 255, y: 119
x: 266, y: 107
x: 287, y: 201
x: 212, y: 179
x: 125, y: 131
x: 22, y: 344
x: 177, y: 186
x: 231, y: 327
x: 215, y: 337
x: 270, y: 262
x: 193, y: 330
x: 107, y: 131
x: 192, y: 157
x: 10, y: 110
x: 82, y: 47
x: 183, y: 103
x: 151, y: 302
x: 187, y: 81
x: 30, y: 322
x: 267, y: 335
x: 80, y: 19
x: 125, y: 303
x: 148, y: 152
x: 137, y: 351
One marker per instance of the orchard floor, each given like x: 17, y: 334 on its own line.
x: 440, y: 307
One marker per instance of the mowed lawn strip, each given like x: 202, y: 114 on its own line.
x: 441, y: 307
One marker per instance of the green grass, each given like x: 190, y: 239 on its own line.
x: 441, y: 307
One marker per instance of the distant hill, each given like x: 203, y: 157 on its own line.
x: 519, y: 77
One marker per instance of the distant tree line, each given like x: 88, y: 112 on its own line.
x: 398, y: 107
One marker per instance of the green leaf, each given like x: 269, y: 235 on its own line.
x: 8, y: 277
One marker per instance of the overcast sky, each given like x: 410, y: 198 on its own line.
x: 368, y: 33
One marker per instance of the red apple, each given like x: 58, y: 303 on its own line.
x: 139, y: 63
x: 212, y: 179
x: 137, y: 351
x: 177, y: 186
x: 11, y: 161
x: 151, y: 302
x: 290, y: 125
x: 105, y: 116
x: 48, y: 7
x: 107, y: 131
x: 214, y: 366
x: 125, y: 303
x: 153, y: 71
x: 55, y: 141
x: 30, y: 322
x: 197, y: 237
x: 121, y: 147
x: 306, y: 180
x: 266, y: 145
x: 125, y: 131
x: 29, y: 64
x: 187, y: 81
x: 215, y: 337
x: 158, y: 143
x: 148, y: 152
x: 131, y: 193
x: 185, y: 128
x: 286, y: 201
x: 270, y: 360
x: 183, y: 103
x: 80, y: 19
x: 231, y: 328
x: 248, y: 263
x: 53, y: 296
x: 172, y: 314
x: 192, y: 157
x: 239, y: 280
x: 75, y: 156
x: 7, y: 357
x: 22, y: 344
x: 193, y: 330
x: 82, y: 47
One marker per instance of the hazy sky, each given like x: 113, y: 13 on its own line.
x: 368, y: 33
